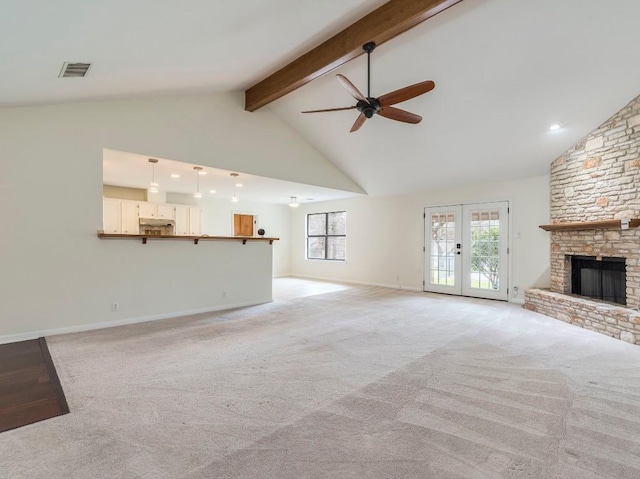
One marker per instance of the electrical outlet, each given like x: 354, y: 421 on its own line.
x: 115, y: 307
x: 224, y: 294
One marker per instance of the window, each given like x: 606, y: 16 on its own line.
x: 327, y: 236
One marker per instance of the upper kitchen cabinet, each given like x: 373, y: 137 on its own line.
x: 166, y: 212
x: 147, y: 209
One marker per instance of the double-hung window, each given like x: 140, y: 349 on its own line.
x: 327, y: 236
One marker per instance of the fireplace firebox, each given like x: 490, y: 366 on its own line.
x: 603, y: 279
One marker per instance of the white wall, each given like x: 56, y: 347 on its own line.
x: 57, y: 274
x: 217, y: 220
x: 385, y: 235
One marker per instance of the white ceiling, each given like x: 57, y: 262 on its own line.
x: 504, y: 70
x: 135, y: 171
x: 146, y: 47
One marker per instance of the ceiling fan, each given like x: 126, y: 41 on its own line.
x: 369, y: 106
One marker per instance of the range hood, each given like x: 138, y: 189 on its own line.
x: 156, y: 222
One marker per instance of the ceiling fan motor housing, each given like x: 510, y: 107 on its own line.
x: 369, y: 108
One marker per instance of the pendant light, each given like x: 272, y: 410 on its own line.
x: 235, y: 198
x: 294, y: 202
x: 153, y: 188
x: 198, y: 170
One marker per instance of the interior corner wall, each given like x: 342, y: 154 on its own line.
x: 385, y: 235
x: 57, y: 275
x: 217, y: 220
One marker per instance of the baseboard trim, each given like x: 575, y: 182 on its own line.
x: 383, y: 285
x: 363, y: 283
x: 13, y: 338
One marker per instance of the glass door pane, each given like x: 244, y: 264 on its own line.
x: 442, y: 253
x: 485, y: 250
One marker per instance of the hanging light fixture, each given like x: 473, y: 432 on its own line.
x: 235, y: 198
x: 153, y: 188
x: 198, y: 170
x: 294, y: 202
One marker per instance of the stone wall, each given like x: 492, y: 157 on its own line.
x: 597, y: 179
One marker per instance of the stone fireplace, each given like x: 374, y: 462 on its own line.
x: 595, y: 239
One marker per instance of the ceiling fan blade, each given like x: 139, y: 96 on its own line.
x: 399, y: 115
x: 358, y: 123
x: 331, y: 109
x: 406, y: 93
x: 351, y: 88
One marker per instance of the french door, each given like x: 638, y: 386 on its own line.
x: 466, y: 250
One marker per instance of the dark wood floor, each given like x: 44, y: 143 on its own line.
x: 30, y: 390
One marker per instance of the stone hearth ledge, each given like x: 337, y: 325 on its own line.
x: 616, y: 321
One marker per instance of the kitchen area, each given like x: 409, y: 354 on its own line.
x: 134, y: 217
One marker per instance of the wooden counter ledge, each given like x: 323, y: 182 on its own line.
x: 195, y: 239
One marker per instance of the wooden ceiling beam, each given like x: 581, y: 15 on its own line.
x: 381, y: 25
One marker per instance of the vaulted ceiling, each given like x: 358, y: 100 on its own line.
x: 504, y: 70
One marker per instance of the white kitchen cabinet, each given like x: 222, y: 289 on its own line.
x: 182, y: 220
x: 147, y: 209
x: 123, y: 216
x: 129, y: 217
x: 166, y: 212
x: 111, y: 216
x: 195, y: 221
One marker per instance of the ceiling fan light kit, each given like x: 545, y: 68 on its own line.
x: 369, y: 106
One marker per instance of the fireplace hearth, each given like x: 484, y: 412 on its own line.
x: 603, y: 279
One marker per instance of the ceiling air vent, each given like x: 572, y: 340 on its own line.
x: 74, y: 70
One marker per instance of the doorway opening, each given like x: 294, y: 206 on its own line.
x: 244, y: 224
x: 466, y: 250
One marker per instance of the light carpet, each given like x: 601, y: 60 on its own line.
x: 365, y: 382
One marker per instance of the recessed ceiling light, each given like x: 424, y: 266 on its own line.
x: 175, y: 175
x: 555, y: 126
x: 239, y: 185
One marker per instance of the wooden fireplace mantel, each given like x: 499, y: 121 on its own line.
x: 590, y: 225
